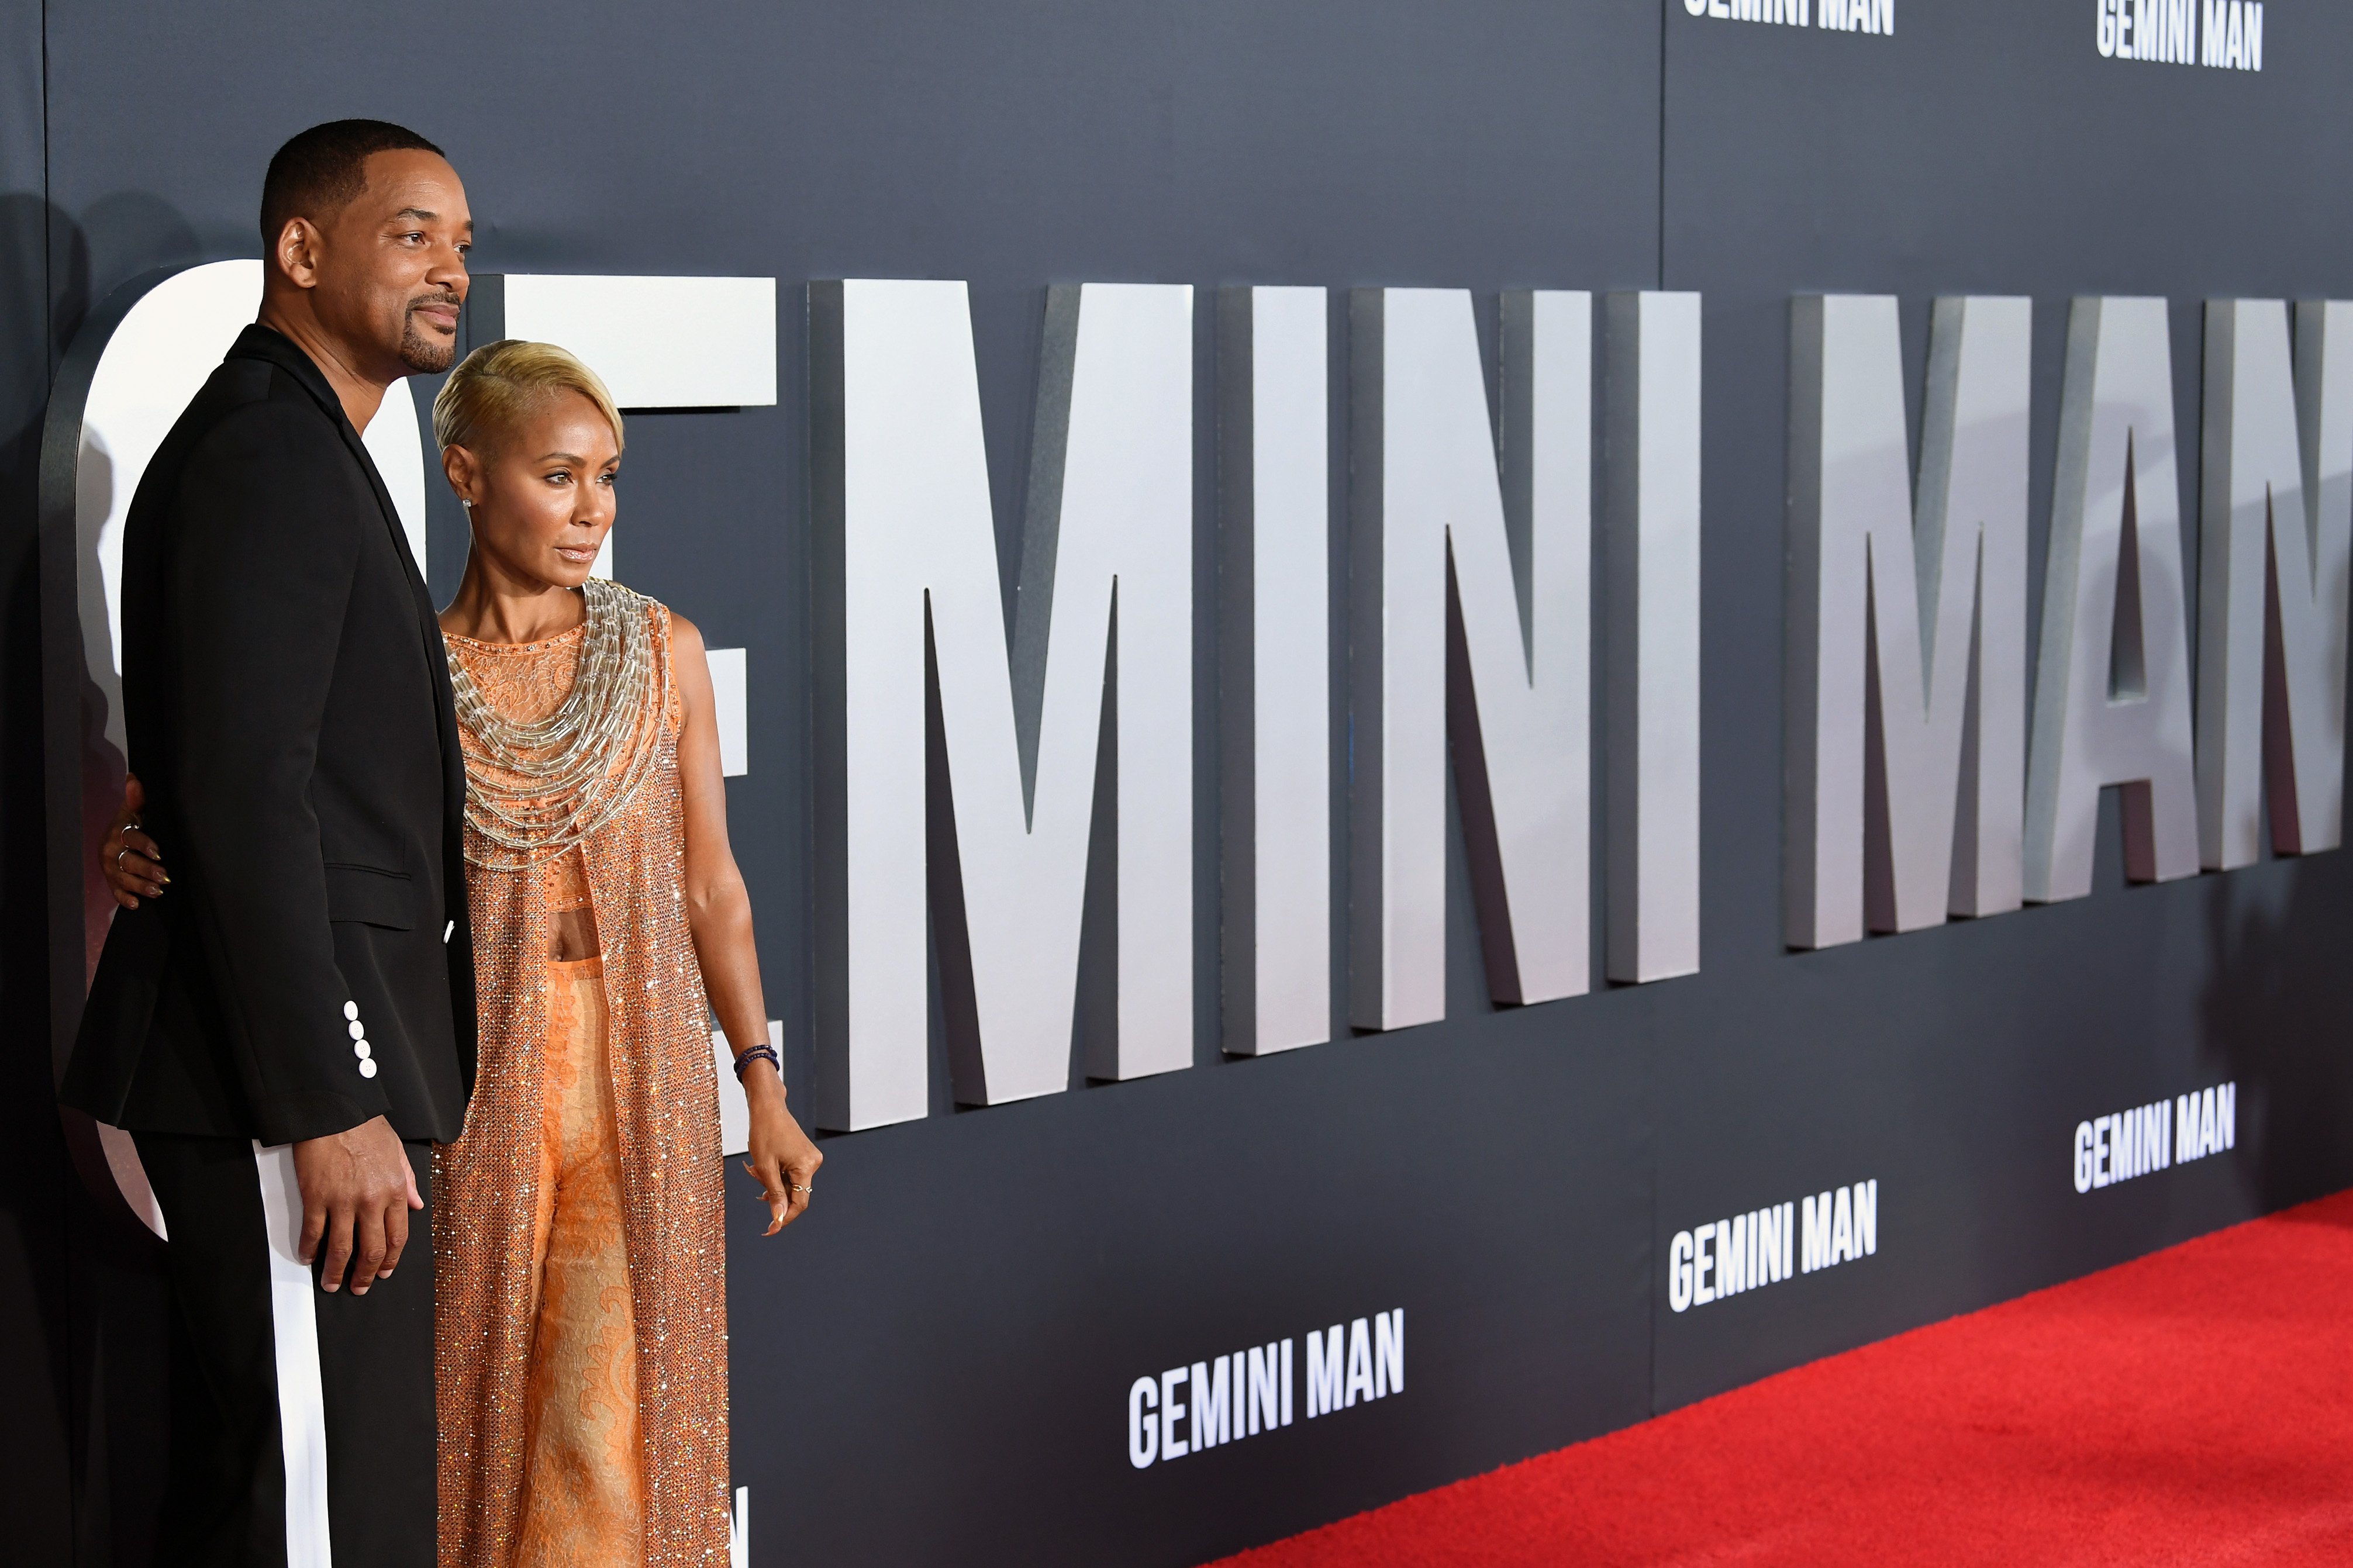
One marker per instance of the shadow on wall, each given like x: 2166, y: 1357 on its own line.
x: 35, y: 1178
x: 81, y: 1308
x: 2274, y: 1019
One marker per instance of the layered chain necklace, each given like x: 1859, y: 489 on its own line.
x: 562, y: 777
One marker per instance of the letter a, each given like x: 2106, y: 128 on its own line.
x: 2111, y: 697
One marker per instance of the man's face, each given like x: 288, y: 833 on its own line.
x: 390, y: 268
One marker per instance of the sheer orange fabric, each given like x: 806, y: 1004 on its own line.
x: 500, y: 1231
x: 584, y: 1483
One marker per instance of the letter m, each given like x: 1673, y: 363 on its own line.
x: 1818, y: 1216
x: 2275, y: 549
x: 1907, y: 666
x: 959, y: 767
x: 1326, y: 1357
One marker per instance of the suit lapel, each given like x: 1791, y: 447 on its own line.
x: 437, y: 653
x: 262, y: 342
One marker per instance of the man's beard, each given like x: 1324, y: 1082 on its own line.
x: 428, y: 355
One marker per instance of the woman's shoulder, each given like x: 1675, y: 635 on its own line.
x: 682, y: 632
x: 622, y: 597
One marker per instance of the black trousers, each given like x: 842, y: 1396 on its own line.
x: 302, y: 1423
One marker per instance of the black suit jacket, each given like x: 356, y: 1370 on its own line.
x: 287, y: 699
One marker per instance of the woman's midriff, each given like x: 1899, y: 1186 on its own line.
x: 571, y: 910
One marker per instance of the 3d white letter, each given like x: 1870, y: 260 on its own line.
x: 1907, y: 668
x: 2112, y: 689
x: 1004, y: 768
x: 1652, y: 550
x: 1501, y: 659
x: 2275, y: 552
x: 1273, y: 466
x: 656, y: 343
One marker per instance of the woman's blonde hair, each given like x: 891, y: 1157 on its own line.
x: 499, y: 383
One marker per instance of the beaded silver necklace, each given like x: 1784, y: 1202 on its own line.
x: 578, y: 766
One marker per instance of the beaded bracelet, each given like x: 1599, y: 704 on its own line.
x: 757, y: 1053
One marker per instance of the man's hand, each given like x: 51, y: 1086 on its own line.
x: 357, y: 1190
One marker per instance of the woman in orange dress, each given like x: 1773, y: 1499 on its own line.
x: 580, y: 1312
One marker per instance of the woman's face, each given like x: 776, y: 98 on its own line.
x: 543, y: 496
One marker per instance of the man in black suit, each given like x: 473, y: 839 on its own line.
x: 287, y: 1034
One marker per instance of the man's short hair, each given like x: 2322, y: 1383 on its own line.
x: 322, y: 171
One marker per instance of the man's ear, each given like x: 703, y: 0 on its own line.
x: 296, y: 254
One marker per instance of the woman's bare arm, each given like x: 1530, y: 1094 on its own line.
x: 719, y: 912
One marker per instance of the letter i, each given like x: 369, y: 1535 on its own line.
x: 1286, y: 1383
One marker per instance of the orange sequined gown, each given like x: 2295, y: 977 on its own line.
x: 580, y: 1280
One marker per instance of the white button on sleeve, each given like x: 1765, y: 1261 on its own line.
x: 359, y: 1030
x: 367, y: 1069
x: 362, y: 1049
x: 351, y: 1009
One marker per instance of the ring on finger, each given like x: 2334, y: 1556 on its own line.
x: 801, y: 1189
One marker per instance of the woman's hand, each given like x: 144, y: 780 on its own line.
x: 781, y: 1158
x: 132, y: 862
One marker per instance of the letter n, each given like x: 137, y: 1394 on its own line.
x: 2275, y: 552
x: 1389, y: 1352
x: 957, y: 768
x: 1906, y: 662
x: 1471, y: 619
x: 1265, y: 1392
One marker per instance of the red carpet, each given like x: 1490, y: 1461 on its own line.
x: 2195, y: 1406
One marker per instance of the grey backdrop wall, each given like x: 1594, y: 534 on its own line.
x: 933, y: 1367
